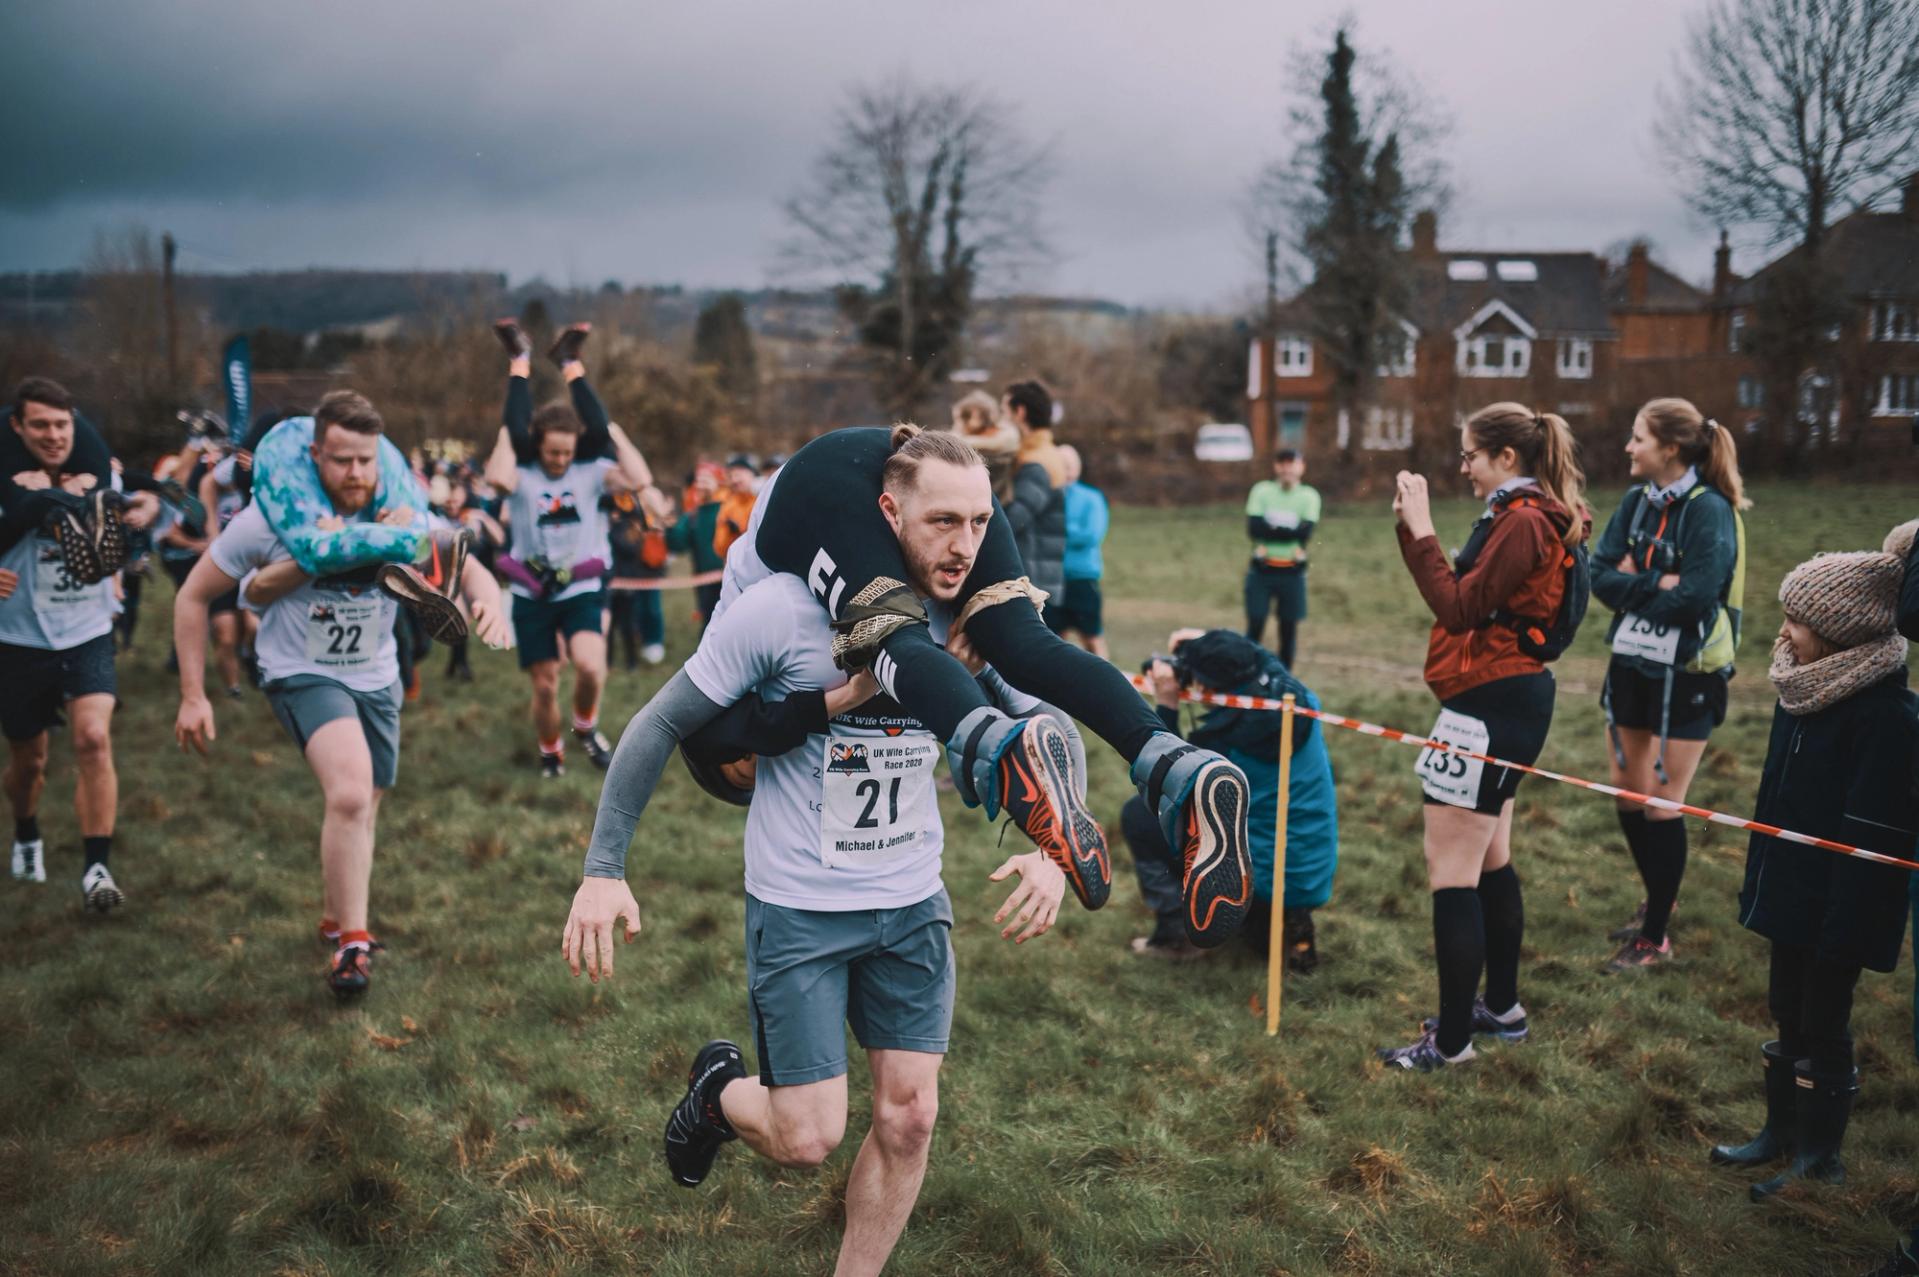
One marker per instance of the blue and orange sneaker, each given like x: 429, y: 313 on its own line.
x: 1039, y: 789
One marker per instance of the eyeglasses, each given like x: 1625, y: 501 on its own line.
x: 1466, y: 455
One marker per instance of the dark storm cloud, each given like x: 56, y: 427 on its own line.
x: 653, y: 141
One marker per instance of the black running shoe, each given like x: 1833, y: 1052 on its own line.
x: 1484, y: 1021
x: 437, y: 614
x: 78, y: 553
x: 1038, y: 790
x: 109, y: 530
x: 513, y: 337
x: 352, y: 970
x: 552, y: 766
x: 597, y: 747
x: 1217, y: 884
x: 698, y: 1127
x: 566, y: 347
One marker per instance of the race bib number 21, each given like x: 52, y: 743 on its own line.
x: 875, y: 790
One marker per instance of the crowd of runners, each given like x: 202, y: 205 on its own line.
x: 886, y: 598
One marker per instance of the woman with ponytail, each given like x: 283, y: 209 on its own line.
x: 1493, y: 609
x: 1671, y: 566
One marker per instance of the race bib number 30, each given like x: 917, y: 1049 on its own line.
x: 343, y: 632
x: 1451, y: 778
x: 63, y: 605
x: 875, y: 790
x: 1651, y: 640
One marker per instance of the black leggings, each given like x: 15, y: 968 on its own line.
x: 517, y: 417
x: 823, y: 524
x: 1811, y: 1000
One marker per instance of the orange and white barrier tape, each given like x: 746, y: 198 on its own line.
x: 1232, y: 701
x: 664, y: 582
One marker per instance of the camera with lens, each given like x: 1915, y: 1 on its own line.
x: 1182, y: 670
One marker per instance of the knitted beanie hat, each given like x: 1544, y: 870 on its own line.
x: 1849, y: 599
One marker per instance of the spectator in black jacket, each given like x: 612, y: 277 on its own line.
x: 1839, y: 766
x: 1038, y: 506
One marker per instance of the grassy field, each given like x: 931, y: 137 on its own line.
x: 181, y: 1095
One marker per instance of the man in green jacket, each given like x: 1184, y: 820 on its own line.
x: 1281, y: 513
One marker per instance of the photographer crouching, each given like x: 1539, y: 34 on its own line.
x: 1226, y: 661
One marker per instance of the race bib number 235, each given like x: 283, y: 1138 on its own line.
x: 1452, y: 778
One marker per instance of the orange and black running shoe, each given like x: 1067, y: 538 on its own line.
x: 437, y: 614
x: 1038, y: 790
x: 1217, y: 886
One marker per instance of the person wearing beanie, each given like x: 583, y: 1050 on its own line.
x: 1839, y: 766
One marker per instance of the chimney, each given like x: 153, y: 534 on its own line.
x: 1636, y: 274
x: 1426, y: 233
x: 1909, y: 205
x: 1722, y: 268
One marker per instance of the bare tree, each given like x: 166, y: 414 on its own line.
x: 1786, y: 116
x: 1789, y: 114
x: 923, y: 194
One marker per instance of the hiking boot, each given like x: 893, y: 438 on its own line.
x: 437, y: 614
x: 1822, y: 1110
x: 1484, y: 1021
x: 1637, y: 923
x: 30, y: 861
x: 1638, y: 952
x: 513, y: 337
x: 352, y: 972
x: 566, y: 347
x: 1775, y: 1138
x: 597, y: 747
x: 100, y: 892
x: 1423, y: 1056
x: 698, y: 1125
x: 1039, y: 790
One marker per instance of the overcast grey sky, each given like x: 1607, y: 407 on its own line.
x: 652, y: 142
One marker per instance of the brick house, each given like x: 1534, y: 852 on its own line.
x: 1871, y: 407
x: 1480, y: 327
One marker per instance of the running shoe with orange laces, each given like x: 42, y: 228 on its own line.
x: 429, y: 603
x: 1039, y: 789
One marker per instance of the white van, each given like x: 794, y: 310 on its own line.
x: 1223, y: 441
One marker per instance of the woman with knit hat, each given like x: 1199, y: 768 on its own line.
x: 1839, y: 766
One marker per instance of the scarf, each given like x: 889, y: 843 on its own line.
x: 1660, y: 498
x: 1807, y: 689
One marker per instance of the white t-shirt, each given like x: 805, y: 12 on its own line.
x: 849, y: 820
x: 335, y: 627
x: 560, y: 520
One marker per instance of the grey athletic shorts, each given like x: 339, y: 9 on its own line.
x: 305, y: 703
x: 887, y: 972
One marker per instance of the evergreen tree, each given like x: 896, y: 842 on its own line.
x: 723, y: 341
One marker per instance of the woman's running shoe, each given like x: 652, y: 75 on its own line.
x: 1484, y: 1021
x: 1423, y: 1056
x: 1039, y: 790
x: 513, y: 337
x: 1217, y: 885
x: 437, y: 614
x: 1639, y: 952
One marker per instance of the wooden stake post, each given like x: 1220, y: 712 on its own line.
x: 1276, y: 940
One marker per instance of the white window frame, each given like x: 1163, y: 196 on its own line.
x: 1408, y: 362
x: 1908, y: 384
x: 1293, y: 357
x: 1575, y: 358
x: 1387, y: 429
x: 1735, y: 329
x: 1470, y: 359
x: 1895, y: 321
x: 1752, y: 393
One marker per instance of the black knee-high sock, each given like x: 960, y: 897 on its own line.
x: 26, y: 828
x: 1632, y: 823
x: 927, y: 682
x: 1663, y: 868
x: 1459, y: 943
x: 97, y: 850
x: 1505, y: 915
x: 1040, y: 663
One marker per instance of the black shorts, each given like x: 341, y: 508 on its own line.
x: 1078, y: 608
x: 823, y: 523
x: 1698, y: 701
x: 223, y: 603
x: 539, y: 624
x: 36, y: 684
x: 1511, y: 716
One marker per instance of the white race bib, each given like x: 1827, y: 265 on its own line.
x: 343, y: 632
x: 1450, y: 778
x: 874, y: 791
x: 1651, y: 640
x: 1285, y: 520
x: 63, y: 605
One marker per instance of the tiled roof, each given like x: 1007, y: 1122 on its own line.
x: 1873, y: 255
x: 1563, y: 299
x: 1665, y: 291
